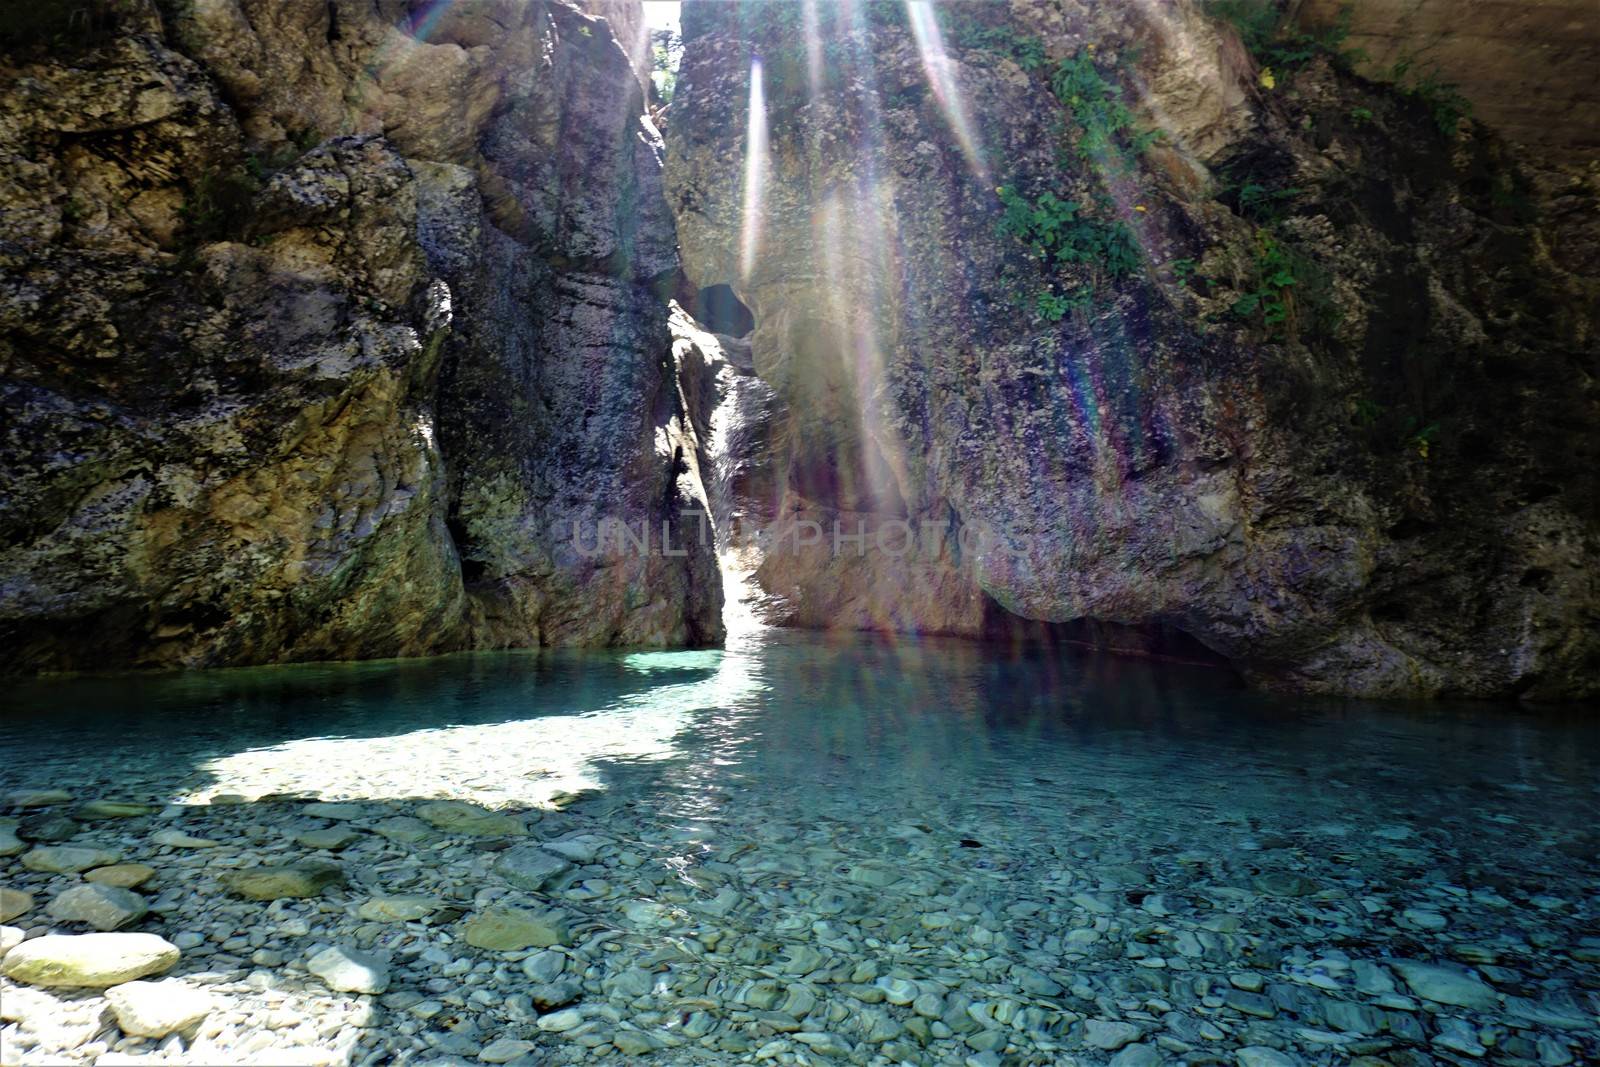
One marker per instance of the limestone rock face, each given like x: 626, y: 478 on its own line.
x: 1375, y: 478
x: 1527, y: 68
x: 323, y: 323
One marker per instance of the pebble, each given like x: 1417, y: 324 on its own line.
x: 111, y: 809
x: 1137, y: 1056
x: 1262, y: 1056
x: 121, y: 875
x: 1108, y: 1035
x: 331, y: 839
x: 505, y: 929
x: 14, y: 902
x: 179, y: 839
x: 103, y: 907
x: 530, y: 867
x: 505, y: 1050
x: 304, y: 879
x: 403, y: 908
x: 326, y: 810
x: 156, y: 1009
x: 1444, y: 985
x: 558, y: 1022
x: 350, y: 970
x: 67, y: 859
x: 459, y: 817
x: 89, y: 959
x: 38, y: 798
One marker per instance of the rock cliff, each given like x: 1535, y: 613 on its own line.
x: 321, y: 324
x: 1216, y: 339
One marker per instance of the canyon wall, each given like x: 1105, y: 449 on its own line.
x: 321, y: 324
x: 1234, y: 348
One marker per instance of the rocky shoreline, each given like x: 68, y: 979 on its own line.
x: 286, y: 929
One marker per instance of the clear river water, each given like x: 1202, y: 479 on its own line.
x: 804, y: 849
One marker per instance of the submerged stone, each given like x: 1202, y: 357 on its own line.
x: 103, y: 907
x: 305, y: 879
x: 67, y: 859
x: 121, y: 875
x: 506, y: 929
x: 529, y: 867
x: 1444, y: 985
x: 349, y: 970
x: 112, y: 809
x: 179, y: 839
x: 459, y: 817
x: 400, y: 909
x: 14, y: 902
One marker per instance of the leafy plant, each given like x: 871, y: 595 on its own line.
x: 1184, y: 270
x: 1270, y: 298
x: 1360, y: 115
x: 1278, y: 43
x: 1262, y: 203
x: 1105, y: 123
x: 964, y: 30
x: 1442, y: 99
x: 1057, y: 231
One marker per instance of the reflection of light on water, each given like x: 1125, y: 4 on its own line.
x: 523, y: 762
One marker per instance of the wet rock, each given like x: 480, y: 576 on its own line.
x: 49, y: 828
x: 326, y: 810
x: 506, y: 929
x: 67, y: 859
x: 14, y: 902
x: 91, y: 960
x: 1137, y: 1056
x: 530, y: 867
x: 10, y: 938
x: 331, y: 839
x: 179, y: 839
x: 1262, y: 1056
x: 156, y: 1009
x: 505, y: 1050
x: 459, y: 817
x: 404, y: 829
x: 304, y: 879
x: 349, y: 970
x: 559, y: 1022
x: 103, y: 907
x: 112, y: 809
x: 1109, y: 1035
x: 1444, y: 985
x: 121, y: 875
x: 38, y: 798
x: 402, y: 908
x: 10, y: 843
x: 543, y: 967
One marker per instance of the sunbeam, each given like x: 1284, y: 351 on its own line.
x: 755, y: 171
x: 941, y: 78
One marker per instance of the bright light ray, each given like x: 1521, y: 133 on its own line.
x: 941, y: 78
x: 812, y: 27
x: 755, y: 171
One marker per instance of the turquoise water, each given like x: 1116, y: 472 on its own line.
x: 963, y: 816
